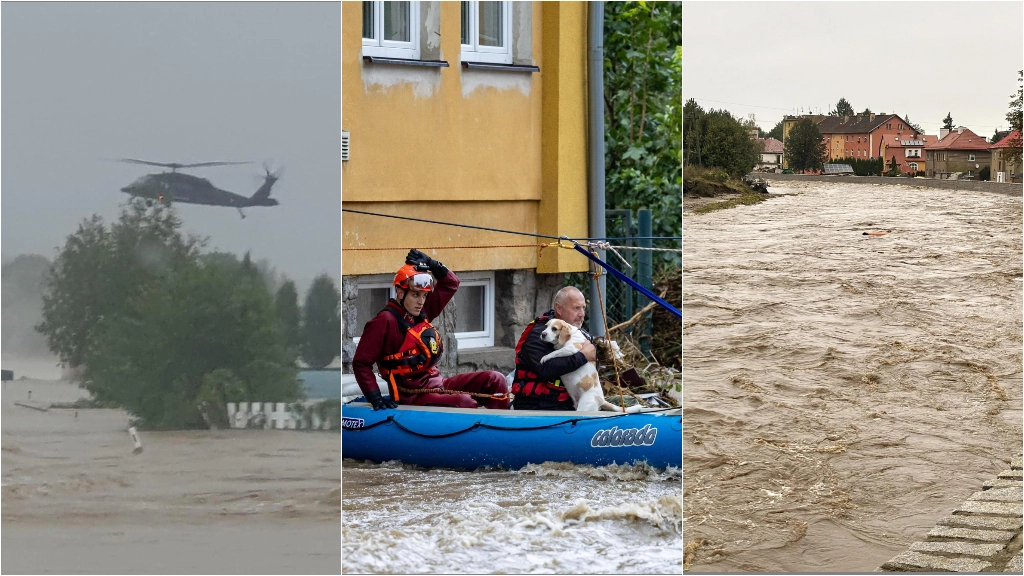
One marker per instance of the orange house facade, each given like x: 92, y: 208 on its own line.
x: 861, y: 136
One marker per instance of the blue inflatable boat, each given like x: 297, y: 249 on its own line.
x: 467, y: 439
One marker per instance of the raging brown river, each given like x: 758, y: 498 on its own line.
x: 844, y: 391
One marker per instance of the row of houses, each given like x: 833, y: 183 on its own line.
x: 892, y: 138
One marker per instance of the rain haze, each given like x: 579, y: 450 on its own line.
x: 916, y: 59
x: 84, y: 83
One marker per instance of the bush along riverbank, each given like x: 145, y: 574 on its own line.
x: 709, y: 189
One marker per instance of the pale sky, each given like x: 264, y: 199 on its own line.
x: 174, y: 82
x: 919, y: 59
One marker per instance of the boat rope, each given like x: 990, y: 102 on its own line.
x: 628, y: 280
x: 573, y: 421
x: 496, y: 396
x: 500, y: 230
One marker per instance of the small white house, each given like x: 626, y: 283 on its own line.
x: 771, y: 157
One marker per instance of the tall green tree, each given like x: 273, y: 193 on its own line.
x: 159, y: 330
x: 716, y: 139
x: 321, y: 325
x: 947, y: 122
x: 843, y: 108
x: 777, y: 131
x: 805, y: 148
x: 286, y: 302
x: 916, y: 127
x: 643, y: 110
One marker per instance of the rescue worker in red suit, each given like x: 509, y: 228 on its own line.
x: 537, y: 386
x: 406, y: 348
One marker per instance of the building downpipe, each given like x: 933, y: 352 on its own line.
x: 595, y: 143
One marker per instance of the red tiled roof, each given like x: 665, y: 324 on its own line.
x: 898, y: 140
x: 1005, y: 142
x: 772, y: 146
x: 857, y: 124
x: 956, y: 141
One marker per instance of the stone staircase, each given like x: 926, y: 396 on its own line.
x: 982, y: 535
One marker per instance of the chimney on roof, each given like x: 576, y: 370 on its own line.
x: 959, y: 129
x: 943, y: 132
x: 871, y: 117
x: 846, y: 118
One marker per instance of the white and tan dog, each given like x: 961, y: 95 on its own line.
x: 582, y: 384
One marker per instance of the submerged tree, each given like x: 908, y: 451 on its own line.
x: 157, y: 329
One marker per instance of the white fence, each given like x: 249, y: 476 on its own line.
x: 281, y: 415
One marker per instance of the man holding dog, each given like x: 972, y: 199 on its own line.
x: 406, y: 348
x: 536, y: 385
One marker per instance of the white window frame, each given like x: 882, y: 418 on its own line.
x: 389, y: 48
x: 473, y: 52
x: 483, y: 338
x: 467, y: 340
x: 970, y: 157
x: 913, y: 166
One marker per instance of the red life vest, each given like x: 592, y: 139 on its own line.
x: 528, y: 383
x: 420, y: 351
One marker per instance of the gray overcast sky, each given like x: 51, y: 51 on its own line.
x: 174, y: 82
x: 921, y: 59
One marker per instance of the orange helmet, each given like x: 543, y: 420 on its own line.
x: 409, y: 278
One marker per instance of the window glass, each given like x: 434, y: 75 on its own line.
x: 368, y: 23
x: 469, y: 309
x: 491, y: 23
x: 396, y: 21
x: 369, y: 302
x: 466, y: 15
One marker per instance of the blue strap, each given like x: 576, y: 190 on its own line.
x: 629, y: 281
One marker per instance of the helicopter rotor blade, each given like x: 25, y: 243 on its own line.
x: 176, y: 165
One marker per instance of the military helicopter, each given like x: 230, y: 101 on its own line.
x: 175, y: 186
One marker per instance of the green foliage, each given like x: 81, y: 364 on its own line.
x: 643, y: 110
x: 161, y: 331
x: 716, y: 139
x: 864, y: 166
x: 894, y: 168
x: 1012, y: 155
x: 843, y: 108
x: 985, y: 174
x: 947, y: 122
x: 916, y: 128
x: 777, y: 131
x: 321, y: 324
x: 805, y: 148
x: 286, y: 302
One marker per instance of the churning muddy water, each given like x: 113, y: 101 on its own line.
x: 544, y: 519
x: 842, y: 391
x: 76, y: 500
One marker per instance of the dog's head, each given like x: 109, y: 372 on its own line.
x: 557, y: 332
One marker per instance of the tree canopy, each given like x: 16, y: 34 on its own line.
x: 1014, y: 117
x: 321, y: 323
x: 947, y: 122
x: 716, y: 139
x: 158, y: 330
x: 643, y: 110
x: 843, y: 108
x: 805, y: 148
x: 778, y: 131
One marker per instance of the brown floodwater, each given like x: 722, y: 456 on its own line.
x: 76, y: 500
x: 842, y: 392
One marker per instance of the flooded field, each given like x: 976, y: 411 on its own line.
x: 544, y: 519
x: 77, y: 501
x: 844, y: 391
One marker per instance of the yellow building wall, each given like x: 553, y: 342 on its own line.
x: 493, y: 149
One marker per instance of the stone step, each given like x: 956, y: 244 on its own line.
x: 982, y: 522
x: 958, y: 548
x: 916, y: 562
x: 994, y: 508
x: 999, y: 483
x: 1015, y: 463
x: 1010, y: 474
x: 972, y: 534
x: 1015, y: 565
x: 1009, y: 494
